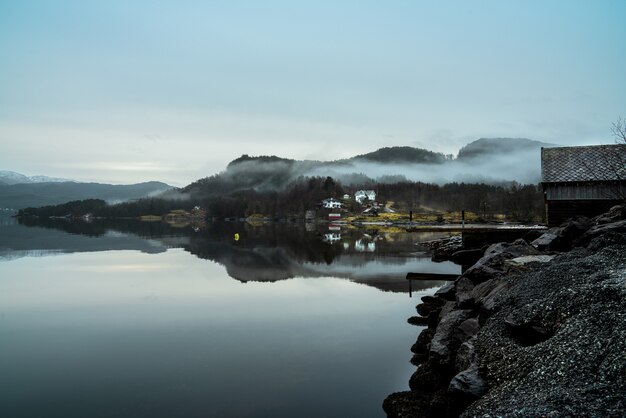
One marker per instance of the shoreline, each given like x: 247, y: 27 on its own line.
x: 533, y: 328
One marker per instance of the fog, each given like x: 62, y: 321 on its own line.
x: 484, y: 161
x: 523, y: 167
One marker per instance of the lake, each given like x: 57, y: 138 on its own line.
x: 132, y: 319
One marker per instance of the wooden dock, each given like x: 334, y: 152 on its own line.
x: 431, y: 276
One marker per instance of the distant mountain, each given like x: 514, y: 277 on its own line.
x: 11, y: 177
x: 485, y: 147
x: 22, y: 195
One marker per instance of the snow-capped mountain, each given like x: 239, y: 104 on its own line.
x: 11, y: 177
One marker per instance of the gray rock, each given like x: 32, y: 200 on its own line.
x: 446, y: 341
x: 464, y: 287
x: 544, y: 242
x: 521, y: 261
x: 467, y: 329
x: 447, y: 292
x: 465, y: 355
x: 618, y: 227
x: 468, y: 385
x: 493, y: 263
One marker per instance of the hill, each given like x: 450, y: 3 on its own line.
x: 484, y: 147
x: 22, y: 195
x: 402, y: 155
x: 11, y: 177
x: 487, y: 160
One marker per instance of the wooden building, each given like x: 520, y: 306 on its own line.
x: 582, y: 180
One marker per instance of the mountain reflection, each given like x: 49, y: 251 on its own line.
x: 267, y: 252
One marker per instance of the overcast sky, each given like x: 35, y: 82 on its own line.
x: 128, y: 91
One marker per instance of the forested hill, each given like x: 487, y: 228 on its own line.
x: 402, y: 155
x: 487, y: 160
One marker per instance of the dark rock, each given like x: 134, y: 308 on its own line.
x: 532, y: 235
x: 427, y: 379
x: 488, y: 304
x: 433, y: 319
x: 555, y: 343
x: 464, y: 287
x: 549, y: 338
x: 605, y: 240
x: 422, y: 344
x: 407, y: 404
x: 562, y: 238
x: 444, y: 248
x: 492, y: 264
x: 418, y: 321
x: 446, y: 309
x: 466, y: 387
x: 467, y: 257
x: 433, y: 300
x: 544, y: 242
x: 527, y: 333
x: 465, y: 355
x: 467, y: 329
x: 616, y: 213
x: 447, y: 292
x: 418, y: 358
x: 445, y: 341
x: 429, y: 305
x: 618, y: 227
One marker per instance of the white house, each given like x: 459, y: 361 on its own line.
x: 331, y: 203
x: 361, y: 195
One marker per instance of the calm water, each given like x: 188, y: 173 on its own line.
x: 146, y: 320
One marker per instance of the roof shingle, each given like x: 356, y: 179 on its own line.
x: 588, y: 163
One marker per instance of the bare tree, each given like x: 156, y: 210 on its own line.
x: 618, y: 129
x: 607, y: 171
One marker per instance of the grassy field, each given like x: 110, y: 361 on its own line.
x: 449, y: 217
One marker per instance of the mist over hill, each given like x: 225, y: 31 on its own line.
x: 486, y: 160
x: 499, y: 146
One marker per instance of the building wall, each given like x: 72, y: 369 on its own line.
x: 558, y: 211
x: 584, y: 191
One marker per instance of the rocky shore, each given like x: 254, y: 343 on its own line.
x: 536, y: 327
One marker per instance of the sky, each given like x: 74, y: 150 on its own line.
x: 129, y: 91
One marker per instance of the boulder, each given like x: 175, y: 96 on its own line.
x: 464, y: 287
x: 447, y: 292
x: 467, y: 257
x: 429, y: 304
x: 618, y: 227
x: 467, y: 386
x: 446, y: 340
x: 616, y: 213
x: 465, y: 355
x: 562, y: 238
x: 467, y: 329
x: 422, y: 344
x: 544, y: 242
x: 522, y: 261
x: 492, y: 264
x: 419, y: 321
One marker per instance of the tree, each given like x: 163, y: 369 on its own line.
x: 618, y: 129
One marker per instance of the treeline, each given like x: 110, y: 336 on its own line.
x: 517, y: 202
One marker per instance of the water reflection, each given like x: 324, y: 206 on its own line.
x: 123, y: 322
x: 266, y: 252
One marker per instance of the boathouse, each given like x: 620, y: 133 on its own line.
x: 583, y: 181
